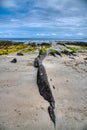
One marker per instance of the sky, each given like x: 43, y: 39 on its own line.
x: 43, y: 19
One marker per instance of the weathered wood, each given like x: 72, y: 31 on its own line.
x: 43, y: 85
x: 37, y: 62
x: 52, y: 115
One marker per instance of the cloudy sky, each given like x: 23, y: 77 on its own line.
x: 43, y: 18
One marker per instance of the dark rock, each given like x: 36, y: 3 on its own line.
x: 52, y: 54
x: 85, y: 58
x: 53, y: 87
x: 73, y: 53
x: 58, y: 53
x: 14, y: 60
x: 50, y: 79
x: 20, y: 54
x: 70, y: 53
x: 67, y: 80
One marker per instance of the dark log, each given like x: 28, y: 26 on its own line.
x: 37, y: 62
x: 52, y: 114
x: 43, y: 85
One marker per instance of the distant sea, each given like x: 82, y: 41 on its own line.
x: 42, y: 39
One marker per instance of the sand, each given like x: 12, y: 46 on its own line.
x: 22, y: 107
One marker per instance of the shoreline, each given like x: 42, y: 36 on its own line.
x: 42, y: 40
x: 7, y: 47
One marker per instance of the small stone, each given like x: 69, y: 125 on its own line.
x: 19, y: 54
x: 85, y: 58
x: 18, y: 126
x: 50, y: 79
x: 19, y: 113
x: 53, y: 87
x: 14, y: 60
x: 36, y: 114
x: 42, y: 108
x: 67, y: 80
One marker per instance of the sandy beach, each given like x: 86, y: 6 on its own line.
x: 22, y: 107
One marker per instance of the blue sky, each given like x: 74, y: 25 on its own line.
x: 43, y: 18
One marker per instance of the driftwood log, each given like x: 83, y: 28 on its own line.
x: 43, y: 85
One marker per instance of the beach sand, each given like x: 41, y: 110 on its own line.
x: 22, y: 107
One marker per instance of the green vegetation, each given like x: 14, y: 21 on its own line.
x: 72, y: 43
x: 64, y: 51
x: 77, y: 48
x: 74, y: 49
x: 7, y: 47
x: 55, y: 52
x: 29, y: 49
x: 33, y: 46
x: 83, y: 47
x: 44, y: 48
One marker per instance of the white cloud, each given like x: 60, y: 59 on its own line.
x: 68, y: 34
x: 9, y: 3
x: 46, y: 34
x: 42, y: 34
x: 54, y: 34
x: 80, y: 34
x: 54, y: 4
x: 74, y: 9
x: 14, y: 20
